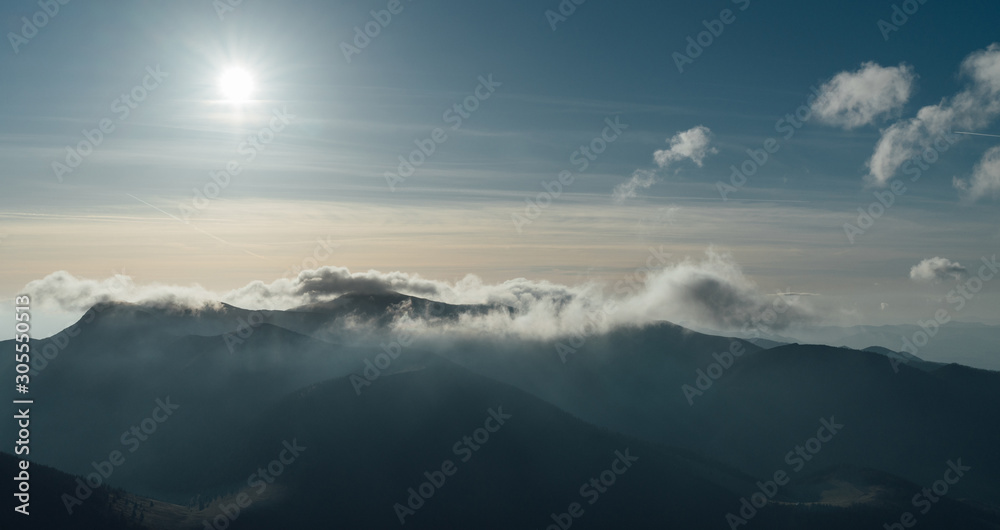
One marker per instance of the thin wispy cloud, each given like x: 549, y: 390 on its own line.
x: 641, y: 179
x: 692, y: 144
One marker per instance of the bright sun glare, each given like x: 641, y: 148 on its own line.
x: 236, y: 85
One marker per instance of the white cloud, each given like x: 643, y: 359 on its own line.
x: 711, y: 292
x: 971, y: 109
x: 714, y: 293
x: 641, y: 179
x: 855, y: 99
x: 691, y: 144
x: 985, y: 177
x: 937, y: 269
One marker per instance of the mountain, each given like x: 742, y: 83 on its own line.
x: 331, y: 455
x: 902, y: 357
x: 367, y: 451
x: 714, y: 415
x: 325, y: 320
x: 765, y: 344
x: 966, y: 343
x: 654, y: 383
x: 859, y: 496
x: 536, y: 461
x: 105, y: 509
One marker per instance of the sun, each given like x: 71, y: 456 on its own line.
x: 236, y: 85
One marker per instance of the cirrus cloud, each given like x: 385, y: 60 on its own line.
x: 641, y: 179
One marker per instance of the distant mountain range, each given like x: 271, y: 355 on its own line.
x: 645, y: 427
x: 968, y: 343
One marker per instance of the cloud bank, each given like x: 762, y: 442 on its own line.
x: 709, y: 292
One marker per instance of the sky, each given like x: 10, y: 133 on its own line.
x: 524, y: 143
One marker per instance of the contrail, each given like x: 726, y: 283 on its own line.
x: 207, y: 233
x: 978, y: 134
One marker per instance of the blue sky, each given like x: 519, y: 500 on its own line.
x: 348, y: 122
